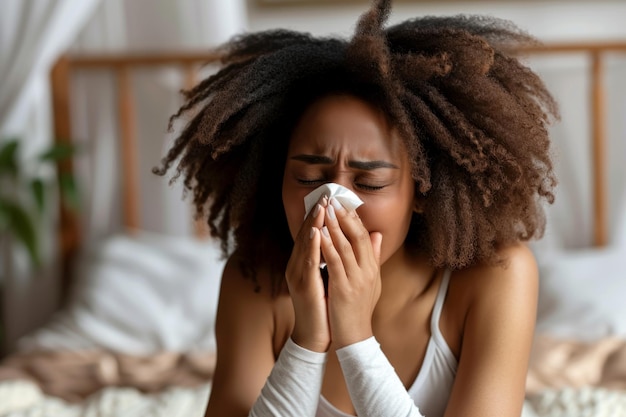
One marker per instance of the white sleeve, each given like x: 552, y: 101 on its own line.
x: 374, y: 386
x: 294, y: 385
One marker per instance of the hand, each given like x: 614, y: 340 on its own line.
x: 353, y: 258
x: 304, y: 280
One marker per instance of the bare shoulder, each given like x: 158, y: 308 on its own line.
x: 242, y: 302
x: 498, y: 325
x: 247, y: 304
x: 242, y: 291
x: 246, y: 332
x: 516, y: 276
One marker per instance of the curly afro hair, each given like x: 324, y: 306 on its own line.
x: 473, y: 119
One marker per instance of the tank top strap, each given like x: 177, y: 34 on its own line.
x: 441, y: 296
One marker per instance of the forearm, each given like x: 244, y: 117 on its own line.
x: 374, y: 386
x: 294, y: 385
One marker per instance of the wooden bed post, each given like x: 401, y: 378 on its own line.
x: 69, y: 224
x: 598, y: 134
x: 130, y: 177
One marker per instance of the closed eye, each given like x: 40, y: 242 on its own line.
x: 303, y: 181
x: 366, y: 187
x: 316, y: 182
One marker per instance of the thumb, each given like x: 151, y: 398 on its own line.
x: 377, y: 240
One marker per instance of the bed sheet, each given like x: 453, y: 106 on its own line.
x: 73, y: 376
x: 24, y: 399
x: 582, y: 294
x: 566, y: 378
x: 139, y: 294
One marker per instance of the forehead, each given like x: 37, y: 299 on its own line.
x: 345, y: 123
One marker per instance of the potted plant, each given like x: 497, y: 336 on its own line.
x: 26, y: 193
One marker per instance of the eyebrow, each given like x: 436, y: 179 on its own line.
x: 325, y: 160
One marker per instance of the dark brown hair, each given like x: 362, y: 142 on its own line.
x: 472, y: 116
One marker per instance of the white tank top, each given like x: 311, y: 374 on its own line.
x: 432, y: 386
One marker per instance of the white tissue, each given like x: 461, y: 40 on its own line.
x: 345, y: 197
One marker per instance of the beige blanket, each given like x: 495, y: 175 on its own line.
x: 73, y: 376
x: 559, y: 363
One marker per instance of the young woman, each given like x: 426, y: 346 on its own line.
x: 431, y: 291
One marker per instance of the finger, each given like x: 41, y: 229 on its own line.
x: 340, y: 242
x: 309, y: 239
x: 305, y: 243
x: 315, y: 218
x: 352, y: 229
x: 303, y: 268
x: 377, y: 243
x: 314, y: 213
x: 334, y: 263
x: 312, y: 258
x: 323, y: 201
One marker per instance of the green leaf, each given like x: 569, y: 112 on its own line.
x: 58, y: 152
x: 4, y: 219
x: 8, y: 156
x: 38, y: 189
x: 21, y: 226
x: 69, y: 191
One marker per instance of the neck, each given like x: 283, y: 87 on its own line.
x: 404, y: 278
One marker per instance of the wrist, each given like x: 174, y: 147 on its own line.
x: 313, y: 344
x: 352, y: 337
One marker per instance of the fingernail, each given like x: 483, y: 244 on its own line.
x: 325, y: 200
x: 331, y: 212
x: 336, y: 204
x: 316, y: 210
x: 325, y: 231
x: 312, y: 233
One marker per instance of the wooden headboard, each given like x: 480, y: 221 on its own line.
x: 121, y: 65
x: 189, y: 63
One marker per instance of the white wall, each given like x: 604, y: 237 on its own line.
x: 548, y: 20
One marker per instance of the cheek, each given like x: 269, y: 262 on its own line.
x: 386, y: 213
x: 293, y: 204
x: 376, y: 217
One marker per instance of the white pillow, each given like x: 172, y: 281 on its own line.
x: 582, y: 294
x: 138, y: 295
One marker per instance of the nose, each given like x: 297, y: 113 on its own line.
x: 344, y: 195
x: 344, y: 182
x: 340, y: 174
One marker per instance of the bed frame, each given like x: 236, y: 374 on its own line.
x: 189, y: 63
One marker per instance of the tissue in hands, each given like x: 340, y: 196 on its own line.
x: 340, y: 193
x: 345, y: 197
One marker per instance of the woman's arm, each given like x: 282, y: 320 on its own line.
x: 247, y: 380
x: 353, y: 258
x: 375, y: 388
x: 293, y: 388
x: 497, y: 338
x: 245, y: 355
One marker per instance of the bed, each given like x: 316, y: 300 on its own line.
x: 135, y: 334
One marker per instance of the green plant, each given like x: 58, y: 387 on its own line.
x: 25, y: 192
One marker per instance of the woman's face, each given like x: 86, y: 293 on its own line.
x: 345, y: 140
